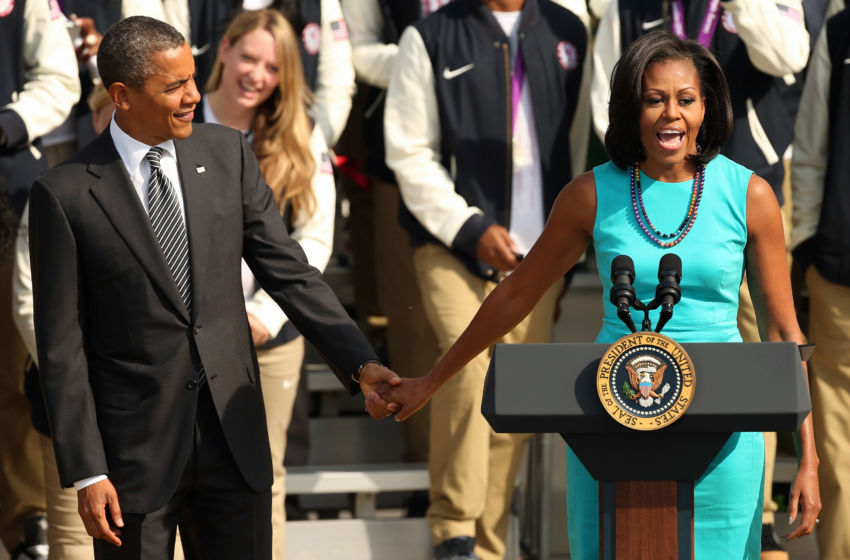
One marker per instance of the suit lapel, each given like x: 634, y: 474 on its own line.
x: 197, y: 196
x: 116, y: 196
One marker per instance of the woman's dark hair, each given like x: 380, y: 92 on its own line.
x: 622, y: 139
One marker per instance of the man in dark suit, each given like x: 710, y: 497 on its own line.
x: 147, y: 366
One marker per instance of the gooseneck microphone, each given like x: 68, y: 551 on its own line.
x: 622, y: 292
x: 668, y: 292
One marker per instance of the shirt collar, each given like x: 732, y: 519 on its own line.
x: 132, y: 151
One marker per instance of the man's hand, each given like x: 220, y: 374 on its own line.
x: 374, y: 380
x: 100, y: 512
x: 259, y: 333
x: 497, y: 249
x: 411, y: 395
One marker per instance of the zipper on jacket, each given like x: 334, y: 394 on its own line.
x: 509, y: 136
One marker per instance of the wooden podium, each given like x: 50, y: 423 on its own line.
x: 646, y: 477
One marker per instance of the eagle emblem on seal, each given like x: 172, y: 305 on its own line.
x: 646, y: 374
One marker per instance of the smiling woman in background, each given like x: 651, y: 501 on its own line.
x: 665, y: 189
x: 257, y: 86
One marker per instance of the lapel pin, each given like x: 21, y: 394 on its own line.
x: 200, y: 169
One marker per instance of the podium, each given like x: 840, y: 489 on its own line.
x: 646, y: 477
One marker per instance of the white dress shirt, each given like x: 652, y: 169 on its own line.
x: 133, y: 152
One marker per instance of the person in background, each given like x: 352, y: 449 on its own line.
x: 324, y: 46
x: 598, y: 7
x: 477, y: 144
x: 38, y: 87
x: 819, y: 241
x: 375, y: 27
x: 86, y: 20
x: 101, y: 107
x: 257, y: 86
x: 731, y: 215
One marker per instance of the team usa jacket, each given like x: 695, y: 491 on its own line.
x: 448, y: 118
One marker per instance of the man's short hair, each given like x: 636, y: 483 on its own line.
x: 622, y: 139
x: 127, y: 48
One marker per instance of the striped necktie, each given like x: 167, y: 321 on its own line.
x: 167, y: 221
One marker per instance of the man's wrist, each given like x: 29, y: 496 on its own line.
x: 356, y: 375
x: 80, y: 484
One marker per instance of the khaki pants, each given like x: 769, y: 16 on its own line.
x: 66, y: 533
x: 829, y: 373
x: 280, y: 370
x: 21, y: 472
x: 472, y: 468
x: 401, y: 301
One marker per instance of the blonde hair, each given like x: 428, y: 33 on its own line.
x: 281, y: 127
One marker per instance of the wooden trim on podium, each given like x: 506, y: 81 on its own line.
x: 646, y: 520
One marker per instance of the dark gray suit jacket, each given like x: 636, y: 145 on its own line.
x: 116, y: 344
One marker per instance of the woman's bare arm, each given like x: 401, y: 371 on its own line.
x: 770, y: 287
x: 563, y: 241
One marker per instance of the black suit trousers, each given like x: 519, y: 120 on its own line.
x: 219, y: 515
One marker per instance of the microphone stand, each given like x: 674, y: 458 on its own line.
x: 666, y: 287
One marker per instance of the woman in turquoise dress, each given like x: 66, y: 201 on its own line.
x: 665, y: 190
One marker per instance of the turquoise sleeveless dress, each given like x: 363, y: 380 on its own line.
x: 728, y: 498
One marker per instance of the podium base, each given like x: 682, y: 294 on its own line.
x: 646, y: 520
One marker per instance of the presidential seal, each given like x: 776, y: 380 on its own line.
x: 645, y: 381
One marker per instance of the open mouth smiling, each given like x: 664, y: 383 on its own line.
x: 670, y: 138
x: 250, y: 88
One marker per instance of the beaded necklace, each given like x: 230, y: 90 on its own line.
x: 643, y: 218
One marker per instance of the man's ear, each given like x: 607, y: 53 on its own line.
x: 119, y: 95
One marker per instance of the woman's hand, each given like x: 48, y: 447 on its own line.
x: 411, y: 395
x: 805, y: 494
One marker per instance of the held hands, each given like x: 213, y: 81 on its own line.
x: 497, y: 249
x: 376, y: 381
x: 806, y: 495
x: 100, y: 512
x: 410, y: 395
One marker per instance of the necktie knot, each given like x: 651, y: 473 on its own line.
x: 154, y: 156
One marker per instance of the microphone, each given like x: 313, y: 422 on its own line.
x: 622, y: 292
x: 668, y: 293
